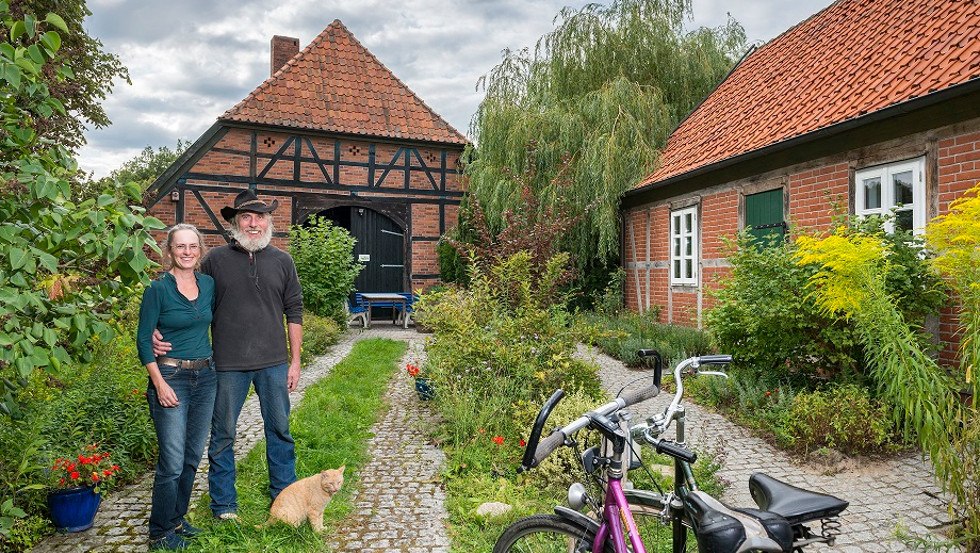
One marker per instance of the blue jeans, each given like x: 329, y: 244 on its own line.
x: 181, y: 433
x: 280, y: 454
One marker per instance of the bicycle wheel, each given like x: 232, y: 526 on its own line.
x: 544, y: 534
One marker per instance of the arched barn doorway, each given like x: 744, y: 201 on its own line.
x: 380, y: 247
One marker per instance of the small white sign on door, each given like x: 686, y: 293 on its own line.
x: 363, y: 257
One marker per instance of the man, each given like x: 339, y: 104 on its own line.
x: 255, y: 286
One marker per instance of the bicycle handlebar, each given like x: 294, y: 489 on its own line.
x: 531, y: 457
x: 673, y: 449
x: 535, y: 452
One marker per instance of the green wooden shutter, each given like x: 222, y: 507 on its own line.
x: 764, y: 214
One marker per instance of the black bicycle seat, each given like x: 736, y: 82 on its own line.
x: 794, y: 504
x: 721, y: 529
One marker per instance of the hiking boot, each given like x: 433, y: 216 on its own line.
x: 169, y: 542
x: 187, y: 530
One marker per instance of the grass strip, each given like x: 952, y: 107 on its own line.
x: 331, y: 427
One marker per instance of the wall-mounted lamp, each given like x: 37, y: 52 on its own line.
x: 360, y: 211
x: 175, y: 195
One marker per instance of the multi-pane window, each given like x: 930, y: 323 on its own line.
x: 684, y: 246
x: 896, y: 187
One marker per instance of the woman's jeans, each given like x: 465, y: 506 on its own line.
x: 181, y: 433
x: 280, y: 454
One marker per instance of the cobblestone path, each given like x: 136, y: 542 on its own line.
x: 400, y: 502
x: 400, y: 506
x: 121, y: 523
x: 882, y: 494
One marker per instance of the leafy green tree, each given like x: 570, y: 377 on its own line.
x: 93, y: 71
x: 598, y: 97
x: 146, y: 166
x: 66, y: 268
x: 142, y: 170
x: 324, y: 257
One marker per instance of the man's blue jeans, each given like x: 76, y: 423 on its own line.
x: 181, y: 433
x: 270, y: 387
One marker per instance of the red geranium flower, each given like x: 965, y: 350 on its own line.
x: 499, y: 440
x: 91, y: 467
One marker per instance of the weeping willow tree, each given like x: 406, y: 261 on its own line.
x: 597, y: 98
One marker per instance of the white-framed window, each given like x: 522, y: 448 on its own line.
x: 896, y: 186
x: 684, y: 246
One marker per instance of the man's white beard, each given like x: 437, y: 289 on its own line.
x: 252, y: 244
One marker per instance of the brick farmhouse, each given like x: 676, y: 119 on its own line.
x: 865, y: 107
x: 334, y: 133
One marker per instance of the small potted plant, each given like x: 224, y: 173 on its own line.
x: 77, y: 484
x: 422, y: 384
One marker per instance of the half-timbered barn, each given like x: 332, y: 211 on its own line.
x: 866, y: 107
x: 332, y: 133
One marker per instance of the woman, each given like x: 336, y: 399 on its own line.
x: 181, y: 385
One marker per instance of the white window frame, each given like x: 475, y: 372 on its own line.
x: 684, y: 260
x: 888, y: 202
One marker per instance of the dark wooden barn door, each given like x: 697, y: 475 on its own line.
x: 380, y: 247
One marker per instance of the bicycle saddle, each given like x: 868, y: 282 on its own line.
x: 721, y: 529
x: 794, y: 504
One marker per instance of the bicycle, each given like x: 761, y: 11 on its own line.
x: 780, y: 524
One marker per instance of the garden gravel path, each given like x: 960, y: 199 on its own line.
x: 882, y: 493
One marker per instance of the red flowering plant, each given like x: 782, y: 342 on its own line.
x: 90, y: 467
x: 414, y: 370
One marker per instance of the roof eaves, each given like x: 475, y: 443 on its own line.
x: 971, y: 86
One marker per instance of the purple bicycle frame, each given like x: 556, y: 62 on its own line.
x: 616, y: 512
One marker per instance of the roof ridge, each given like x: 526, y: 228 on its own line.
x: 428, y: 125
x: 392, y: 73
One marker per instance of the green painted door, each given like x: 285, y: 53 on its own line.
x: 764, y: 214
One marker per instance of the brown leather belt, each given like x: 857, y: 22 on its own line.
x: 184, y: 363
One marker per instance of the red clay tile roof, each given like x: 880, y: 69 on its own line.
x: 851, y: 59
x: 335, y: 84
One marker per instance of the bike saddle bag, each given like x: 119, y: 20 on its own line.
x: 794, y: 504
x: 720, y: 529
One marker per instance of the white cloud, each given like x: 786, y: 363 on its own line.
x: 190, y: 61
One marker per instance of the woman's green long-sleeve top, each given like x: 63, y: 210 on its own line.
x: 183, y: 322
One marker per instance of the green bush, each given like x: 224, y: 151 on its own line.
x: 324, y: 257
x: 319, y: 333
x: 103, y: 402
x: 845, y: 418
x: 764, y: 318
x: 623, y: 334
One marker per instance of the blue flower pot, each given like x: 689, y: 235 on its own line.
x: 424, y: 389
x: 73, y: 510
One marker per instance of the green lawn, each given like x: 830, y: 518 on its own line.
x: 331, y: 427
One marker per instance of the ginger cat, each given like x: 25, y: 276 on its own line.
x: 306, y: 499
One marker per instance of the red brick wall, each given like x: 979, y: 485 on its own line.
x: 814, y: 195
x: 959, y: 170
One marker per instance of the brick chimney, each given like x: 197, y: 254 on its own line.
x: 283, y: 50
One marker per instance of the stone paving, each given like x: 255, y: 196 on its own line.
x: 400, y: 505
x: 121, y: 523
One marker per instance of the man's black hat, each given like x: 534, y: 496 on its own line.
x: 247, y: 200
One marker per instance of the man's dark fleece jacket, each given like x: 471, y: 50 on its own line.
x: 252, y: 292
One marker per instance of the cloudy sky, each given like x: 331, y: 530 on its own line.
x: 191, y: 60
